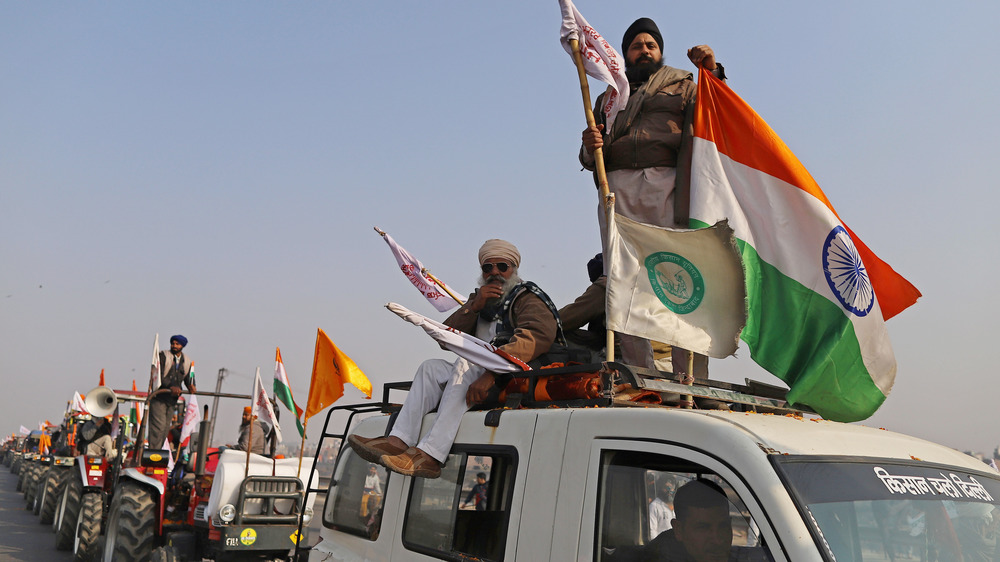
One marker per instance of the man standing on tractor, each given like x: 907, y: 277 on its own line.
x: 175, y: 370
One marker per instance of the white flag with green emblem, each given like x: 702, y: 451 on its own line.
x: 682, y: 287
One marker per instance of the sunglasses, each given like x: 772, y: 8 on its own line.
x: 501, y: 267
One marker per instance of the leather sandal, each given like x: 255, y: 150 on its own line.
x: 372, y: 449
x: 413, y: 462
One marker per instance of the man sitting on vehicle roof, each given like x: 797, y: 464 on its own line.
x: 515, y: 315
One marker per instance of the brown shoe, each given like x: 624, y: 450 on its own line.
x: 373, y: 448
x: 413, y: 462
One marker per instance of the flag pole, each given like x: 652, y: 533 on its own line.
x: 246, y: 469
x: 302, y: 447
x: 442, y: 286
x: 602, y: 177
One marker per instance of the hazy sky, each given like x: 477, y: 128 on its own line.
x: 215, y: 169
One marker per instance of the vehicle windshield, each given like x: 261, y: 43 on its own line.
x: 868, y: 511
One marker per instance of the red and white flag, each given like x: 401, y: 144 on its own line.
x: 192, y: 417
x: 469, y: 347
x: 414, y: 271
x: 600, y: 59
x: 261, y: 408
x: 78, y: 403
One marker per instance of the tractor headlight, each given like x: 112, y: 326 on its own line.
x: 307, y: 515
x: 227, y: 513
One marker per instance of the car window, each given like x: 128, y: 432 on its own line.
x: 355, y: 496
x: 637, y: 512
x: 464, y: 513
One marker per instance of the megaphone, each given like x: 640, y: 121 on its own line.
x: 101, y: 401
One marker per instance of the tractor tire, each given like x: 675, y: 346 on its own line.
x: 68, y: 513
x: 15, y: 466
x: 88, y: 527
x: 36, y: 503
x: 131, y: 529
x: 164, y: 554
x: 54, y: 481
x: 26, y: 486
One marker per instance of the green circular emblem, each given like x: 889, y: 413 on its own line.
x: 676, y: 281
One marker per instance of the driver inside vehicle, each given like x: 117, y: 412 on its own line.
x: 702, y: 530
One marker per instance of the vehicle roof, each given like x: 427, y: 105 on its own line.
x: 777, y: 434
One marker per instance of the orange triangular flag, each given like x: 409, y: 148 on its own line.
x: 331, y: 369
x: 102, y: 377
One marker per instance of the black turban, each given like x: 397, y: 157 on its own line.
x: 641, y: 25
x: 179, y: 339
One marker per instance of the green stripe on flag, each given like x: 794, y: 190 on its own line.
x: 805, y: 340
x: 284, y: 395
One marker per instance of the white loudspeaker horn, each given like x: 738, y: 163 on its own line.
x: 101, y: 401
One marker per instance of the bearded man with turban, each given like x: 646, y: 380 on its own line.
x: 175, y: 370
x: 512, y: 314
x: 647, y: 151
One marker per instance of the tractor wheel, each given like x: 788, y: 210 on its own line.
x: 15, y: 466
x: 164, y: 554
x: 28, y: 486
x: 21, y: 474
x: 131, y: 529
x: 88, y: 527
x: 54, y: 481
x: 68, y: 513
x: 36, y: 504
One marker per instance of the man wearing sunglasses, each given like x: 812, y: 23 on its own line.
x: 514, y: 315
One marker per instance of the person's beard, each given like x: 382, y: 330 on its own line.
x: 641, y: 70
x: 508, y: 284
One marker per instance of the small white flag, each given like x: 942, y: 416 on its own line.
x: 414, y: 271
x: 79, y: 404
x: 154, y: 369
x: 25, y: 431
x: 261, y: 408
x: 600, y: 59
x: 464, y: 345
x: 192, y: 417
x: 682, y: 287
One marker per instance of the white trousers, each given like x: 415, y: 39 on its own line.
x: 437, y: 384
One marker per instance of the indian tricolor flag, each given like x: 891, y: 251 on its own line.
x: 283, y: 390
x: 817, y: 296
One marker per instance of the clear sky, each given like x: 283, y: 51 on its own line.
x: 215, y: 170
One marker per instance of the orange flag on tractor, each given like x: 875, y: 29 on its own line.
x: 331, y: 369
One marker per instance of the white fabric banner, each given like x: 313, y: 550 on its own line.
x: 682, y: 287
x: 464, y: 345
x: 78, y: 403
x: 261, y: 407
x: 413, y: 270
x: 192, y: 417
x: 154, y: 368
x: 600, y: 59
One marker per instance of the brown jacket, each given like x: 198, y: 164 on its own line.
x: 534, y: 326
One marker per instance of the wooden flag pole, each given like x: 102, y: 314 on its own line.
x: 246, y: 469
x: 604, y: 192
x: 302, y: 447
x: 442, y: 286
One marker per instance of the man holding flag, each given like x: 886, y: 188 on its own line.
x: 647, y: 146
x: 517, y: 316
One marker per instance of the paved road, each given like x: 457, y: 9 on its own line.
x: 23, y: 538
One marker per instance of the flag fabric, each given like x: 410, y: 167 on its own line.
x: 101, y: 383
x: 331, y: 369
x: 283, y: 390
x: 115, y: 422
x: 136, y: 412
x: 464, y: 345
x: 78, y: 403
x: 261, y: 407
x: 817, y: 296
x: 414, y: 271
x: 600, y: 59
x: 25, y: 431
x: 154, y: 370
x: 192, y: 417
x: 682, y: 287
x: 170, y: 458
